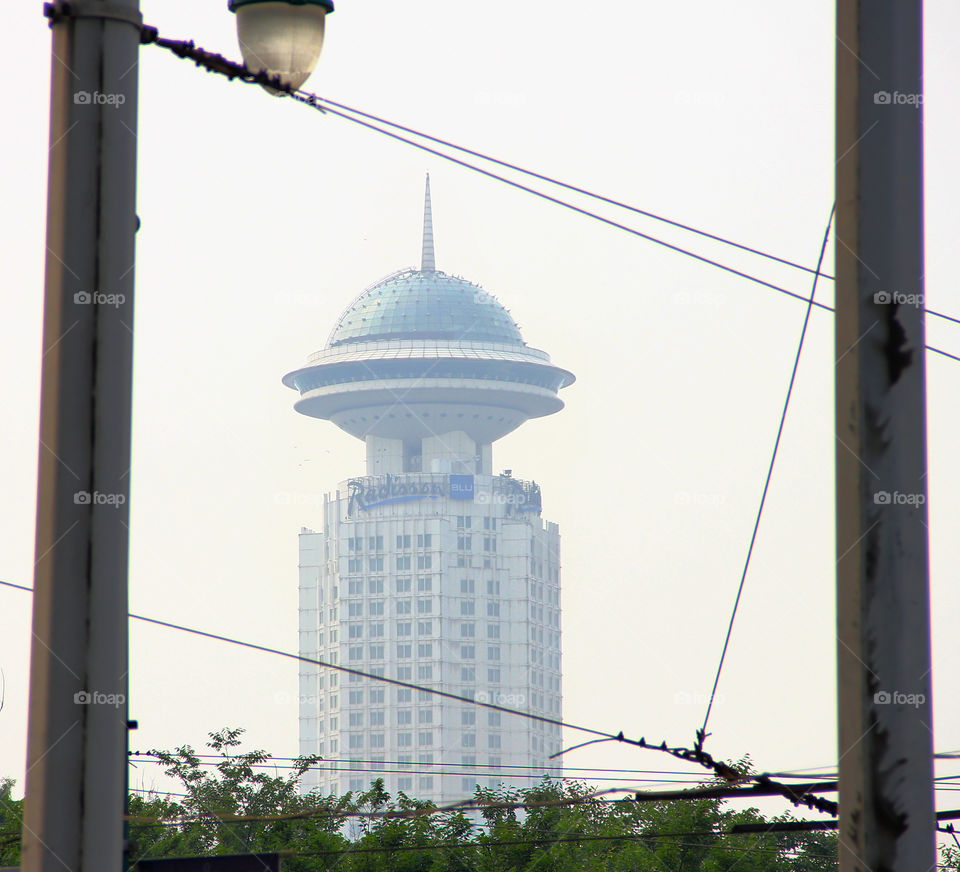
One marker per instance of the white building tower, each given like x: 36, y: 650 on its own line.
x: 429, y: 569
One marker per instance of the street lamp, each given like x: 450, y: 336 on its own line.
x: 283, y: 37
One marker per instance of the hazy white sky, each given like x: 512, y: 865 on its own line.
x: 261, y: 220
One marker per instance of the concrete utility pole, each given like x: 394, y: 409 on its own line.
x: 885, y: 728
x: 76, y: 751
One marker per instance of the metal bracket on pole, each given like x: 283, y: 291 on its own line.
x: 66, y: 9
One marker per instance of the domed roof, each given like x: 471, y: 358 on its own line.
x: 425, y: 304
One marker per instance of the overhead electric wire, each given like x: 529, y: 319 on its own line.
x: 766, y: 484
x: 550, y: 180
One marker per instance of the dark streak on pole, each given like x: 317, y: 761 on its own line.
x: 885, y: 723
x: 76, y: 748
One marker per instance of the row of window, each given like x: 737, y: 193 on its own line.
x: 404, y: 584
x: 375, y: 564
x: 375, y: 543
x: 465, y: 522
x: 356, y: 741
x: 404, y: 716
x: 425, y: 606
x: 465, y: 543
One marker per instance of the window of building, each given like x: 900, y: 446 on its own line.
x: 463, y: 522
x: 493, y: 740
x: 426, y: 782
x: 425, y: 672
x: 493, y: 719
x: 376, y: 718
x: 404, y: 607
x: 466, y: 585
x: 468, y: 630
x: 356, y: 697
x: 461, y: 561
x: 489, y: 543
x: 489, y: 523
x: 355, y: 652
x: 425, y: 649
x: 467, y: 652
x: 464, y: 543
x: 354, y: 586
x: 404, y: 673
x: 355, y: 631
x: 376, y: 652
x: 493, y: 675
x: 493, y: 630
x: 493, y: 652
x: 377, y: 696
x: 375, y: 585
x: 493, y: 587
x: 493, y: 609
x: 425, y: 738
x: 355, y: 564
x: 376, y: 740
x: 424, y: 561
x: 375, y: 607
x: 467, y: 785
x: 375, y: 564
x: 404, y: 694
x: 404, y: 740
x: 404, y: 716
x: 468, y: 717
x: 403, y: 563
x: 425, y: 716
x: 467, y: 607
x: 376, y: 631
x: 334, y: 723
x: 468, y: 673
x: 424, y: 606
x: 404, y: 628
x: 355, y: 719
x: 354, y: 610
x: 403, y: 541
x: 425, y: 628
x: 356, y: 740
x: 355, y: 544
x: 424, y: 540
x: 405, y: 783
x: 375, y: 543
x: 424, y: 582
x: 404, y: 651
x: 468, y: 740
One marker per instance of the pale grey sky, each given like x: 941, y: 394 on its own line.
x: 261, y: 220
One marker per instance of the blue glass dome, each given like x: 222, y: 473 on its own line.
x: 425, y: 304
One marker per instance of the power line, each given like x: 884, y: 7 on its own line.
x: 549, y: 179
x: 766, y: 484
x: 218, y: 64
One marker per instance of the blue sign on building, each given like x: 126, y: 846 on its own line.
x: 461, y: 487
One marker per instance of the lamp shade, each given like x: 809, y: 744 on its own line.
x: 283, y: 37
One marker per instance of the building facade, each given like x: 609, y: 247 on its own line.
x: 429, y: 569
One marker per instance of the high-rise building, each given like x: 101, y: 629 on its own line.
x: 429, y: 569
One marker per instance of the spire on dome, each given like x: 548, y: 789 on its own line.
x: 427, y: 259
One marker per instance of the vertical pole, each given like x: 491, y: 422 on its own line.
x: 76, y: 745
x: 885, y: 724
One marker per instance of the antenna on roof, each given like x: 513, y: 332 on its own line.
x: 427, y: 259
